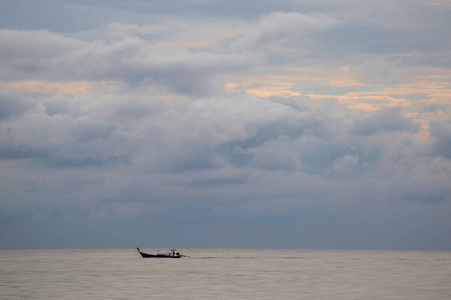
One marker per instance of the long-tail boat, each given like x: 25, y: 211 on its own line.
x: 171, y: 254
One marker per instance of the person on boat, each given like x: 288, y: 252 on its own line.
x: 173, y: 252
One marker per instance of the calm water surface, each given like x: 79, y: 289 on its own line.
x: 225, y: 274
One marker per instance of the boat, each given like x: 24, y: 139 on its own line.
x: 171, y: 254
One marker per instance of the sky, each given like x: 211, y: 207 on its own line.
x: 225, y: 124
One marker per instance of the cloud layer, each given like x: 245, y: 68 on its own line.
x: 316, y: 125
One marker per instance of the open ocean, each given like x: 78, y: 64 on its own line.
x: 225, y: 274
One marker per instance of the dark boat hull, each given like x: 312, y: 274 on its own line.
x: 146, y: 255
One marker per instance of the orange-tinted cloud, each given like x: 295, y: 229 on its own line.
x: 430, y: 88
x: 433, y: 86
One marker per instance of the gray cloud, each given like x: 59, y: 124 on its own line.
x: 441, y: 131
x: 46, y: 56
x: 384, y: 120
x: 99, y: 170
x: 205, y: 135
x: 301, y: 103
x: 34, y: 54
x: 277, y: 27
x: 227, y: 157
x: 12, y: 105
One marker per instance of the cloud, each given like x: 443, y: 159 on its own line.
x: 130, y: 127
x: 12, y: 105
x: 60, y: 105
x: 33, y: 54
x: 46, y: 56
x: 384, y: 120
x: 234, y: 130
x: 195, y: 74
x: 301, y: 103
x: 119, y: 30
x: 279, y: 26
x: 379, y: 71
x: 228, y: 156
x: 441, y: 132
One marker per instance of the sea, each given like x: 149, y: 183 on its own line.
x: 224, y: 274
